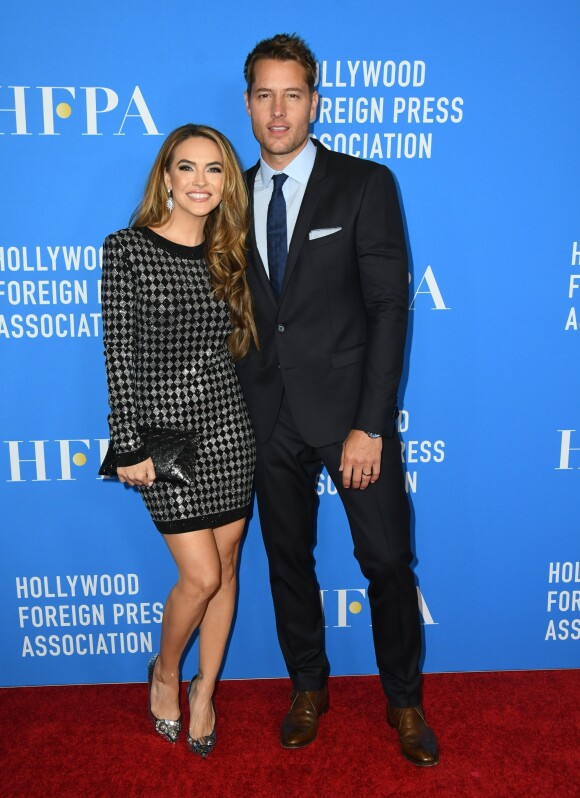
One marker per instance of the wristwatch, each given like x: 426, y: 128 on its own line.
x: 374, y: 434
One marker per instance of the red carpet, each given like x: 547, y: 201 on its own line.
x: 501, y: 734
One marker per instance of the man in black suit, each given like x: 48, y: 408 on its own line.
x: 329, y: 280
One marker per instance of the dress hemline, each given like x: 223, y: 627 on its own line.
x: 183, y: 525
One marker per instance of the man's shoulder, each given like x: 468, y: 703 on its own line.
x: 351, y: 164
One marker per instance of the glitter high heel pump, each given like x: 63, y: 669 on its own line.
x: 168, y: 729
x: 203, y: 746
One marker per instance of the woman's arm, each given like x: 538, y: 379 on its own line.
x: 119, y: 302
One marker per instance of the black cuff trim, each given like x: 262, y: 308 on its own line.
x: 131, y: 458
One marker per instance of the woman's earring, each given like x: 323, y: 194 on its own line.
x: 169, y: 202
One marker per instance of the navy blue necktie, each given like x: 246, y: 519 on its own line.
x: 277, y: 235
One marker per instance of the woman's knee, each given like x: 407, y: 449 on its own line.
x: 201, y: 585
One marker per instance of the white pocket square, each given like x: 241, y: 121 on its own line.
x: 323, y: 231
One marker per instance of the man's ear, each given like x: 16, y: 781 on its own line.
x: 313, y: 106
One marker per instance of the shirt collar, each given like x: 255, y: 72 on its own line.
x: 299, y: 168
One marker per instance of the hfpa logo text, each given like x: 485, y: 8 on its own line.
x: 342, y: 605
x: 428, y: 285
x: 566, y: 449
x: 26, y: 110
x: 44, y: 460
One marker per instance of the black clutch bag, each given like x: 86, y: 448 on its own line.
x: 173, y: 452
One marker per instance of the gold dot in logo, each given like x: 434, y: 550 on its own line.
x: 79, y: 459
x: 63, y: 110
x: 355, y: 607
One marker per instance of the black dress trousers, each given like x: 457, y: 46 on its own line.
x: 286, y: 473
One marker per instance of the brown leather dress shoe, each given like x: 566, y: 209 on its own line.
x: 300, y: 725
x: 417, y: 739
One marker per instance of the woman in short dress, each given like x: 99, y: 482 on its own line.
x: 176, y: 314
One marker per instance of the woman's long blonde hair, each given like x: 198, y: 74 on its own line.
x: 225, y: 230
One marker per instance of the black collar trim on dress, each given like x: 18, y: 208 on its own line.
x: 191, y: 253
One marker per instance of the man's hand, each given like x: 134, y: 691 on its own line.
x: 361, y: 459
x: 138, y: 475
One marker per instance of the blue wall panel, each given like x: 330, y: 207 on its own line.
x: 480, y: 107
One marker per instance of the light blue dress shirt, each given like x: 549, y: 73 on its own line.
x: 298, y: 172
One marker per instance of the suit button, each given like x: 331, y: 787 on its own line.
x: 281, y: 328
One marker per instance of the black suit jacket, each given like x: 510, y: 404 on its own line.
x: 335, y: 340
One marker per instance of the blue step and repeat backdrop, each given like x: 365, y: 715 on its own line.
x: 476, y: 109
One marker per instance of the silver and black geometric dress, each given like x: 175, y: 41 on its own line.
x: 168, y: 366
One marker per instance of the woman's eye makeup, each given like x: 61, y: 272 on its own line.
x: 185, y: 167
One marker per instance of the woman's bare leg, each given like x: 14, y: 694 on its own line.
x: 199, y: 573
x: 215, y: 629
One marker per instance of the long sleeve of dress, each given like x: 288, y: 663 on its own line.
x: 119, y: 303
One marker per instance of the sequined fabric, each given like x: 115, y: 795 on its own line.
x: 168, y: 729
x: 168, y: 366
x: 202, y: 746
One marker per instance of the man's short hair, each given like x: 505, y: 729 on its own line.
x: 282, y: 47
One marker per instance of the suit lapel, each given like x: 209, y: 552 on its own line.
x: 308, y: 207
x: 259, y: 268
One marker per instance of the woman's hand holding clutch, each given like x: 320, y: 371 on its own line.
x: 138, y: 475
